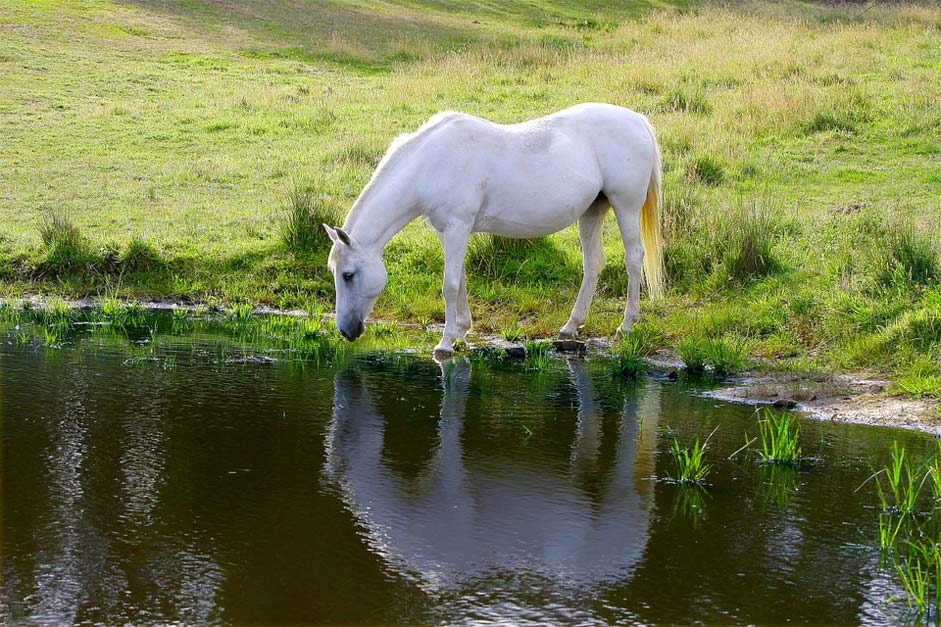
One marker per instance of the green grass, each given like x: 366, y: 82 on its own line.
x: 511, y: 333
x: 306, y: 213
x: 538, y: 356
x: 800, y: 144
x: 909, y: 528
x: 628, y: 360
x: 727, y: 357
x: 689, y: 462
x: 778, y: 437
x: 901, y: 482
x: 692, y: 351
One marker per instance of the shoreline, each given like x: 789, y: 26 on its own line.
x: 844, y: 398
x: 841, y: 398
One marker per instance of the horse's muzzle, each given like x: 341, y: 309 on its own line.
x: 354, y: 332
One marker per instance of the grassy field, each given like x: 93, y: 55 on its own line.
x: 175, y: 149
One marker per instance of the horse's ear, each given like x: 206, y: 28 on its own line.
x: 343, y: 236
x: 338, y: 235
x: 331, y: 232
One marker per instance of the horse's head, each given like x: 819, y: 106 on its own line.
x: 359, y: 276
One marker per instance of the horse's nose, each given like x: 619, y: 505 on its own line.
x: 355, y: 333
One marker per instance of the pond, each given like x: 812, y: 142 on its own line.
x: 199, y: 486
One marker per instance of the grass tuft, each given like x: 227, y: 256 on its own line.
x: 66, y: 249
x: 748, y: 253
x: 538, y: 356
x: 306, y: 213
x: 692, y: 351
x: 140, y: 256
x: 778, y: 439
x: 689, y: 460
x: 706, y: 170
x: 686, y: 98
x: 628, y: 361
x: 910, y: 258
x: 727, y: 357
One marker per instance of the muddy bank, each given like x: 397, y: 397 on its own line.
x: 842, y: 398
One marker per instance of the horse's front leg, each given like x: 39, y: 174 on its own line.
x: 454, y: 241
x: 464, y: 319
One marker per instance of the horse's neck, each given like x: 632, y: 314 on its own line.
x: 383, y: 209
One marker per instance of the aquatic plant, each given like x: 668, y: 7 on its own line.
x: 918, y: 570
x: 9, y: 313
x: 903, y: 483
x: 51, y: 337
x: 689, y: 461
x: 628, y: 361
x: 934, y: 475
x: 113, y: 311
x: 688, y: 502
x: 55, y: 313
x: 890, y: 526
x: 312, y: 327
x: 242, y: 314
x: 909, y: 539
x: 537, y: 356
x: 778, y: 439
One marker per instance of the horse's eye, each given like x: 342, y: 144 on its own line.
x: 347, y: 276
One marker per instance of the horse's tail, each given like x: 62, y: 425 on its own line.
x: 650, y: 224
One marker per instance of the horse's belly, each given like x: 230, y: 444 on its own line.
x: 536, y: 213
x: 509, y: 228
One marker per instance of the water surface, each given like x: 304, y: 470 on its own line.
x: 189, y: 487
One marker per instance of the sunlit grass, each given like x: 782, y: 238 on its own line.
x: 778, y: 439
x: 689, y: 461
x: 628, y: 360
x: 799, y: 145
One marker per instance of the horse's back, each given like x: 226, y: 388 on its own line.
x: 538, y: 176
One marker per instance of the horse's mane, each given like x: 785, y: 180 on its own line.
x: 398, y: 145
x: 395, y: 152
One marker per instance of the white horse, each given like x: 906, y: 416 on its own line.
x: 467, y: 175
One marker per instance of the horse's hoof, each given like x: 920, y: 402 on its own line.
x: 442, y: 352
x: 563, y: 335
x: 569, y: 346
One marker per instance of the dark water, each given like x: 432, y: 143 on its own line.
x: 192, y: 490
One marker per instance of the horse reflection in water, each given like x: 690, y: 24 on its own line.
x: 502, y: 539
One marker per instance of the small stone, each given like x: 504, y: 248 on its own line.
x: 515, y: 352
x: 569, y: 346
x: 784, y: 403
x: 875, y: 388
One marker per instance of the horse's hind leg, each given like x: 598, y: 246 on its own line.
x: 627, y: 208
x: 590, y: 230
